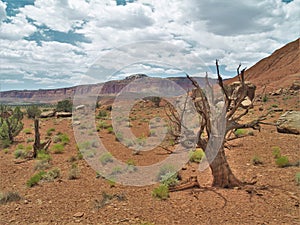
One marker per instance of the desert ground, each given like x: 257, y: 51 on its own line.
x: 91, y: 199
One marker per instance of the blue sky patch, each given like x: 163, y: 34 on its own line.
x: 44, y: 33
x: 12, y: 6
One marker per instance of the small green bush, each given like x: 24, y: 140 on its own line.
x: 56, y: 139
x: 161, y: 192
x: 130, y: 162
x: 74, y: 172
x: 20, y: 146
x: 197, y: 155
x: 51, y: 175
x: 102, y: 114
x: 131, y: 166
x: 9, y: 197
x: 282, y: 161
x: 106, y: 158
x: 119, y: 136
x: 79, y: 155
x: 27, y: 131
x: 110, y: 130
x: 169, y: 179
x: 116, y: 170
x: 276, y: 152
x: 256, y: 161
x: 41, y: 165
x: 58, y: 148
x: 34, y: 180
x: 128, y: 142
x: 240, y: 132
x: 111, y: 182
x: 84, y: 145
x: 42, y: 155
x: 64, y: 139
x: 5, y: 143
x: 165, y: 169
x: 29, y: 140
x: 102, y: 125
x: 146, y: 223
x: 21, y: 153
x: 152, y: 133
x: 141, y: 140
x: 50, y: 131
x: 265, y: 98
x: 297, y: 178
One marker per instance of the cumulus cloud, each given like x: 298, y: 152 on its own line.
x: 237, y: 17
x: 2, y: 11
x: 16, y: 29
x: 185, y: 35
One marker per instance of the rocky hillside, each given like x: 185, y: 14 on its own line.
x: 279, y: 70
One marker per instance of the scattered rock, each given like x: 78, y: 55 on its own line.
x: 295, y: 86
x: 63, y: 114
x: 277, y: 92
x: 246, y: 103
x: 289, y: 122
x: 47, y: 114
x: 76, y: 123
x: 278, y: 110
x: 235, y: 88
x: 78, y: 215
x: 80, y: 107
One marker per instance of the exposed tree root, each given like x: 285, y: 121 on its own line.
x: 192, y: 182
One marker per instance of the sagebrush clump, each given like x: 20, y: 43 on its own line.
x: 74, y: 172
x: 197, y: 155
x: 106, y: 158
x: 10, y: 196
x: 161, y: 192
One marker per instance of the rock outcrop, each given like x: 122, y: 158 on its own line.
x: 47, y: 114
x: 289, y: 122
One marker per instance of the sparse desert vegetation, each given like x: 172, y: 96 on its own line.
x: 57, y: 178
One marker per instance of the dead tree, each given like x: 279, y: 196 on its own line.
x: 38, y: 146
x: 233, y: 108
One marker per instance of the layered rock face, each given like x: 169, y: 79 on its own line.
x: 109, y: 88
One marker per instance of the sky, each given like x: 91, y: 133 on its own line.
x: 62, y: 43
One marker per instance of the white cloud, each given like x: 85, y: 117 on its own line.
x: 16, y: 29
x: 188, y: 35
x: 60, y: 15
x: 10, y: 81
x: 2, y: 11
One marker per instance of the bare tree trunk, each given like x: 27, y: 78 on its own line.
x: 37, y: 146
x: 37, y: 140
x: 222, y: 174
